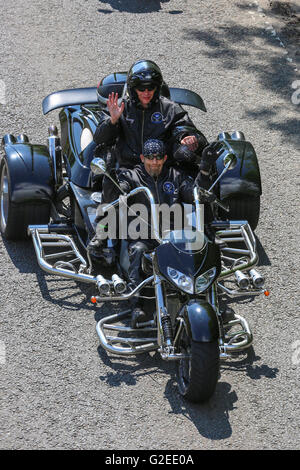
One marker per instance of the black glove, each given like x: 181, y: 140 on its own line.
x: 110, y: 161
x: 104, y: 152
x: 183, y: 154
x: 202, y: 181
x: 210, y: 154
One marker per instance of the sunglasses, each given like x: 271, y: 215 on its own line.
x: 152, y: 156
x: 146, y: 87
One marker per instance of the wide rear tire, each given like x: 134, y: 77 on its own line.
x: 15, y: 218
x: 243, y: 208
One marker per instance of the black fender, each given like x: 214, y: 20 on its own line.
x: 30, y: 172
x: 201, y: 320
x: 244, y: 179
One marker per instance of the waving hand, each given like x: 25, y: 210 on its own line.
x: 114, y: 109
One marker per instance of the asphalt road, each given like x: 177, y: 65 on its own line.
x: 59, y: 389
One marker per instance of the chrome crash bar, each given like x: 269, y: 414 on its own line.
x: 236, y: 260
x: 70, y: 263
x: 228, y: 236
x: 67, y: 268
x: 125, y: 345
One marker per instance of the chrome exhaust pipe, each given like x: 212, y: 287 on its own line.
x: 256, y: 278
x: 119, y: 284
x: 242, y: 280
x: 103, y: 285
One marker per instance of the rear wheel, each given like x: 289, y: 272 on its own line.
x: 243, y: 208
x: 198, y: 375
x: 15, y: 218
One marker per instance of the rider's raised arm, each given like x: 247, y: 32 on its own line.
x: 109, y: 127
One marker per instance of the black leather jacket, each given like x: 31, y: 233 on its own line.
x: 171, y: 187
x: 163, y: 119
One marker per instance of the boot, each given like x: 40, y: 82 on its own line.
x: 227, y: 314
x: 95, y: 247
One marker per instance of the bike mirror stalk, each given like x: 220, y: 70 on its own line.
x: 230, y: 161
x: 98, y: 167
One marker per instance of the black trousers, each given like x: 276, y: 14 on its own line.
x: 136, y: 248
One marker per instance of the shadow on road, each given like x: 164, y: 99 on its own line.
x: 21, y: 254
x: 133, y: 6
x: 66, y: 293
x: 128, y: 371
x: 246, y: 363
x: 264, y: 259
x: 212, y: 419
x: 242, y: 47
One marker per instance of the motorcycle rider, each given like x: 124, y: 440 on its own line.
x: 146, y: 114
x: 168, y: 185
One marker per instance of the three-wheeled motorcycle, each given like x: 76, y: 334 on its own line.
x: 51, y: 193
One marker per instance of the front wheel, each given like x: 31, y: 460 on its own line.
x: 198, y: 374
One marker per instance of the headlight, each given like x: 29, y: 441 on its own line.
x: 183, y: 281
x: 204, y: 281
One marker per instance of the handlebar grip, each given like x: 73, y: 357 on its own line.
x: 214, y: 200
x: 221, y: 205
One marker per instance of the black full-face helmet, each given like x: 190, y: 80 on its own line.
x: 144, y: 72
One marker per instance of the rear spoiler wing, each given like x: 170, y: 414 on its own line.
x: 78, y: 96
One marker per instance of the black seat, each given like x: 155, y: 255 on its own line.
x: 105, y: 90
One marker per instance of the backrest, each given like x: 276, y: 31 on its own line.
x: 114, y: 83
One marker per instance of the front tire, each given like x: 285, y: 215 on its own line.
x: 15, y: 218
x: 198, y: 375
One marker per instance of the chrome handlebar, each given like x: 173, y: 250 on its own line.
x: 229, y: 160
x: 154, y: 215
